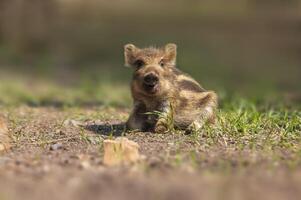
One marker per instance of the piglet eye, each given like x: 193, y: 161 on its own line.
x: 161, y: 63
x: 139, y: 63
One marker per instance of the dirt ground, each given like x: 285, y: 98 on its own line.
x: 57, y: 154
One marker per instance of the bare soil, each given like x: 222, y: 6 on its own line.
x: 57, y: 154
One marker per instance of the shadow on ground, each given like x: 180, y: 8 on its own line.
x: 116, y: 128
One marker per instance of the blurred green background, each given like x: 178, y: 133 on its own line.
x: 72, y: 50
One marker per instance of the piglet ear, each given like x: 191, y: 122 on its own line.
x: 130, y: 52
x: 171, y: 53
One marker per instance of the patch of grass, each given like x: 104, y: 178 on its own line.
x: 249, y: 127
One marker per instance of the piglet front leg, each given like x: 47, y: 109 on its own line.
x: 164, y: 118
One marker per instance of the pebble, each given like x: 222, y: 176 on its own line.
x: 71, y: 122
x: 56, y: 146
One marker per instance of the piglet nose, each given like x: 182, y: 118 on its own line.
x: 151, y: 78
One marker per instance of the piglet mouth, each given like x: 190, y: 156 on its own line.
x: 151, y: 87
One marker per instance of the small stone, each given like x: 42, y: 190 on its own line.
x: 56, y: 146
x: 120, y: 151
x: 154, y: 161
x: 85, y: 164
x: 46, y: 168
x: 71, y: 122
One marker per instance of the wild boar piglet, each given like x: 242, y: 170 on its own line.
x: 163, y: 95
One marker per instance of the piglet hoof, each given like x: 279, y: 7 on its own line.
x: 160, y: 128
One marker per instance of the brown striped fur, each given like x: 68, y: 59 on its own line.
x: 175, y: 92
